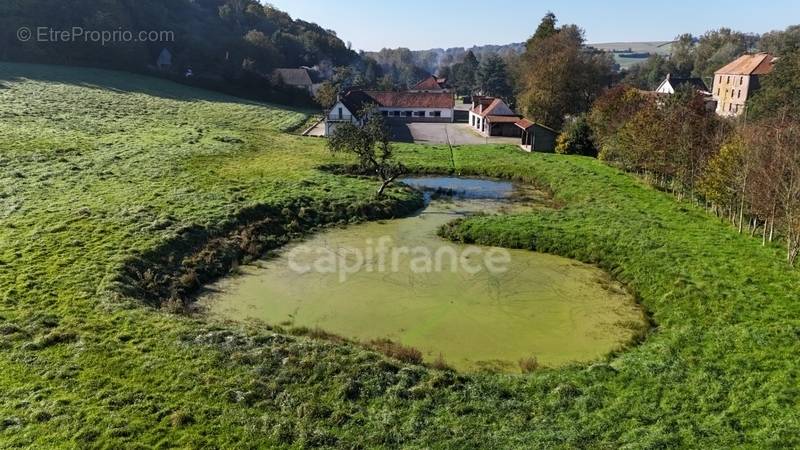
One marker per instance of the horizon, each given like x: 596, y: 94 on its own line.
x: 348, y: 20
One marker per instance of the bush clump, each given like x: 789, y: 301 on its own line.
x: 397, y: 351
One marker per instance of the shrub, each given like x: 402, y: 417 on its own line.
x: 529, y: 364
x: 440, y: 364
x: 576, y: 139
x: 397, y: 351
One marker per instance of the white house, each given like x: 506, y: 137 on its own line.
x: 493, y: 117
x: 395, y: 106
x: 671, y: 84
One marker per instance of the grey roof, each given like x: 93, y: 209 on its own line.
x: 356, y: 100
x: 697, y: 83
x: 294, y: 77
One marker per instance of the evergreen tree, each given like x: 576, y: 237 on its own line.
x: 493, y: 78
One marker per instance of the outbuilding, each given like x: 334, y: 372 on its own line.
x: 491, y: 116
x: 536, y: 137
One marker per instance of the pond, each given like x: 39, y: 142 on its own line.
x: 475, y: 307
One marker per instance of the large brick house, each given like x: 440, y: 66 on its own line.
x: 394, y: 106
x: 736, y: 82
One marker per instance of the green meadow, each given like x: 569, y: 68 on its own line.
x: 104, y: 171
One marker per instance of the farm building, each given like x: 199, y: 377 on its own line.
x: 735, y: 82
x: 298, y: 78
x: 536, y: 137
x: 493, y: 117
x: 671, y: 84
x: 394, y: 106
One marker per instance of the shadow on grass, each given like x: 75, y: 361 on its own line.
x: 125, y: 83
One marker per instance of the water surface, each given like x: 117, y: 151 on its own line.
x: 555, y: 309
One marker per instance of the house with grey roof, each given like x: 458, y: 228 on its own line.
x: 298, y: 78
x: 672, y: 84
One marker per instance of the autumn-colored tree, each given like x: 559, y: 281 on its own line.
x: 559, y: 77
x: 326, y: 95
x: 610, y: 112
x: 576, y: 138
x: 775, y: 143
x: 723, y: 183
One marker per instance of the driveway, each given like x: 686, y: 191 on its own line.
x: 442, y: 133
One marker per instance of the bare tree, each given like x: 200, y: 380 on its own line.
x: 369, y: 142
x: 776, y: 146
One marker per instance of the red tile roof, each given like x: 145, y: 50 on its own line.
x: 389, y: 99
x: 492, y: 106
x: 428, y: 84
x: 757, y: 64
x: 524, y: 123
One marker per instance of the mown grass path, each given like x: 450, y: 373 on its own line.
x: 97, y: 166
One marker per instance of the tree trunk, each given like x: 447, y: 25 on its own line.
x: 384, y: 184
x: 772, y: 228
x: 741, y: 215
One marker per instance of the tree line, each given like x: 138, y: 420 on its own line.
x: 700, y: 56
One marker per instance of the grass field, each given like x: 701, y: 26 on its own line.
x: 623, y: 50
x: 98, y: 167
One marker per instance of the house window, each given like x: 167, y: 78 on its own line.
x: 741, y: 81
x: 419, y: 113
x: 407, y: 113
x: 385, y: 113
x: 717, y: 92
x: 730, y: 107
x: 719, y: 80
x: 341, y: 115
x: 436, y: 113
x: 729, y: 79
x: 396, y: 113
x: 740, y: 94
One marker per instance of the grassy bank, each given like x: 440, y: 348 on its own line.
x: 99, y: 168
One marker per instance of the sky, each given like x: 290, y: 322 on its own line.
x: 423, y: 24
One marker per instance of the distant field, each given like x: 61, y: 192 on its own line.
x: 623, y: 51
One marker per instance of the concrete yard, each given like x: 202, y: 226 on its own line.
x: 442, y: 133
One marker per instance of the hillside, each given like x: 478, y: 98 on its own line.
x: 627, y: 54
x: 106, y: 175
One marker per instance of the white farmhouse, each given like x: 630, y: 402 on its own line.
x: 394, y: 106
x: 491, y: 116
x: 671, y: 84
